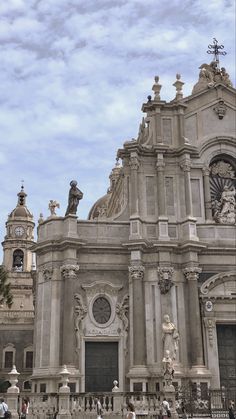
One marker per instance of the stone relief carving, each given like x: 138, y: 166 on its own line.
x: 136, y: 271
x: 69, y: 271
x: 122, y: 311
x: 101, y: 288
x: 47, y: 273
x: 209, y: 75
x: 222, y: 175
x: 222, y: 169
x: 134, y: 162
x: 210, y: 326
x: 170, y: 337
x: 220, y: 109
x: 80, y: 312
x: 165, y: 279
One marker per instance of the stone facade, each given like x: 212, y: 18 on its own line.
x: 160, y: 244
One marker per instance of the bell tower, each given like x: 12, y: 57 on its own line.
x: 17, y: 323
x: 19, y: 237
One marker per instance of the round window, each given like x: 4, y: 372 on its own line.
x: 101, y: 310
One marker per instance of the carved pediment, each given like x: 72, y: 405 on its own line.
x: 222, y: 285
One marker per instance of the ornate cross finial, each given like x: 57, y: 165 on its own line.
x: 216, y: 50
x: 22, y: 183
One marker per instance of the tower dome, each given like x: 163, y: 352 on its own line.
x: 21, y: 209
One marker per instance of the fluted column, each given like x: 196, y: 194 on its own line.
x: 207, y: 193
x: 136, y: 276
x: 134, y: 165
x: 185, y: 166
x: 70, y: 274
x: 196, y: 344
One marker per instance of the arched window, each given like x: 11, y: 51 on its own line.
x: 18, y: 260
x: 223, y: 185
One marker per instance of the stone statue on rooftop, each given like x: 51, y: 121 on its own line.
x: 75, y: 195
x: 52, y: 206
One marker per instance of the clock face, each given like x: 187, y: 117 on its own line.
x: 19, y: 231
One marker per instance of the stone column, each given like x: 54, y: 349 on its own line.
x: 185, y: 166
x: 196, y: 344
x: 136, y: 275
x: 207, y: 193
x: 161, y: 196
x: 70, y: 274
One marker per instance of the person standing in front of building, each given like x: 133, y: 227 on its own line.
x: 165, y: 409
x: 3, y: 408
x: 231, y: 410
x: 131, y: 411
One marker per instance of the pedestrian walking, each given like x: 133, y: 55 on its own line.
x: 165, y: 409
x: 231, y: 410
x: 131, y: 411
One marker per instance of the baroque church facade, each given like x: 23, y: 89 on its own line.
x: 152, y: 270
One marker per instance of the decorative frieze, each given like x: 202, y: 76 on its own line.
x: 70, y: 271
x: 165, y: 278
x: 80, y: 311
x: 136, y: 272
x: 192, y: 273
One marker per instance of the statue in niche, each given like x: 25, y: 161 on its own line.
x: 227, y: 204
x: 170, y: 337
x: 168, y: 368
x: 122, y: 310
x: 75, y: 195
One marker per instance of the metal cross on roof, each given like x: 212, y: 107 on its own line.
x: 216, y: 50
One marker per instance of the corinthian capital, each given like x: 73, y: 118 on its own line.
x: 136, y: 272
x: 165, y: 278
x: 70, y: 271
x: 47, y: 273
x: 192, y: 273
x: 186, y: 165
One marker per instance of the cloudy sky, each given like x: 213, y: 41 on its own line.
x: 73, y: 77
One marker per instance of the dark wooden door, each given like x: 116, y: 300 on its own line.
x: 101, y: 366
x: 226, y: 336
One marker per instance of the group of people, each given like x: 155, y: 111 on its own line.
x: 6, y: 414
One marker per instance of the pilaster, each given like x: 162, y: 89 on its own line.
x: 162, y: 215
x: 207, y: 194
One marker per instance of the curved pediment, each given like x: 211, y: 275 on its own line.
x: 222, y: 285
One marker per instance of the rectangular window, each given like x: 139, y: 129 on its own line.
x: 8, y: 360
x: 42, y: 388
x: 29, y: 359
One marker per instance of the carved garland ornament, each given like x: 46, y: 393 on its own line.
x: 210, y: 325
x: 80, y: 311
x: 165, y: 279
